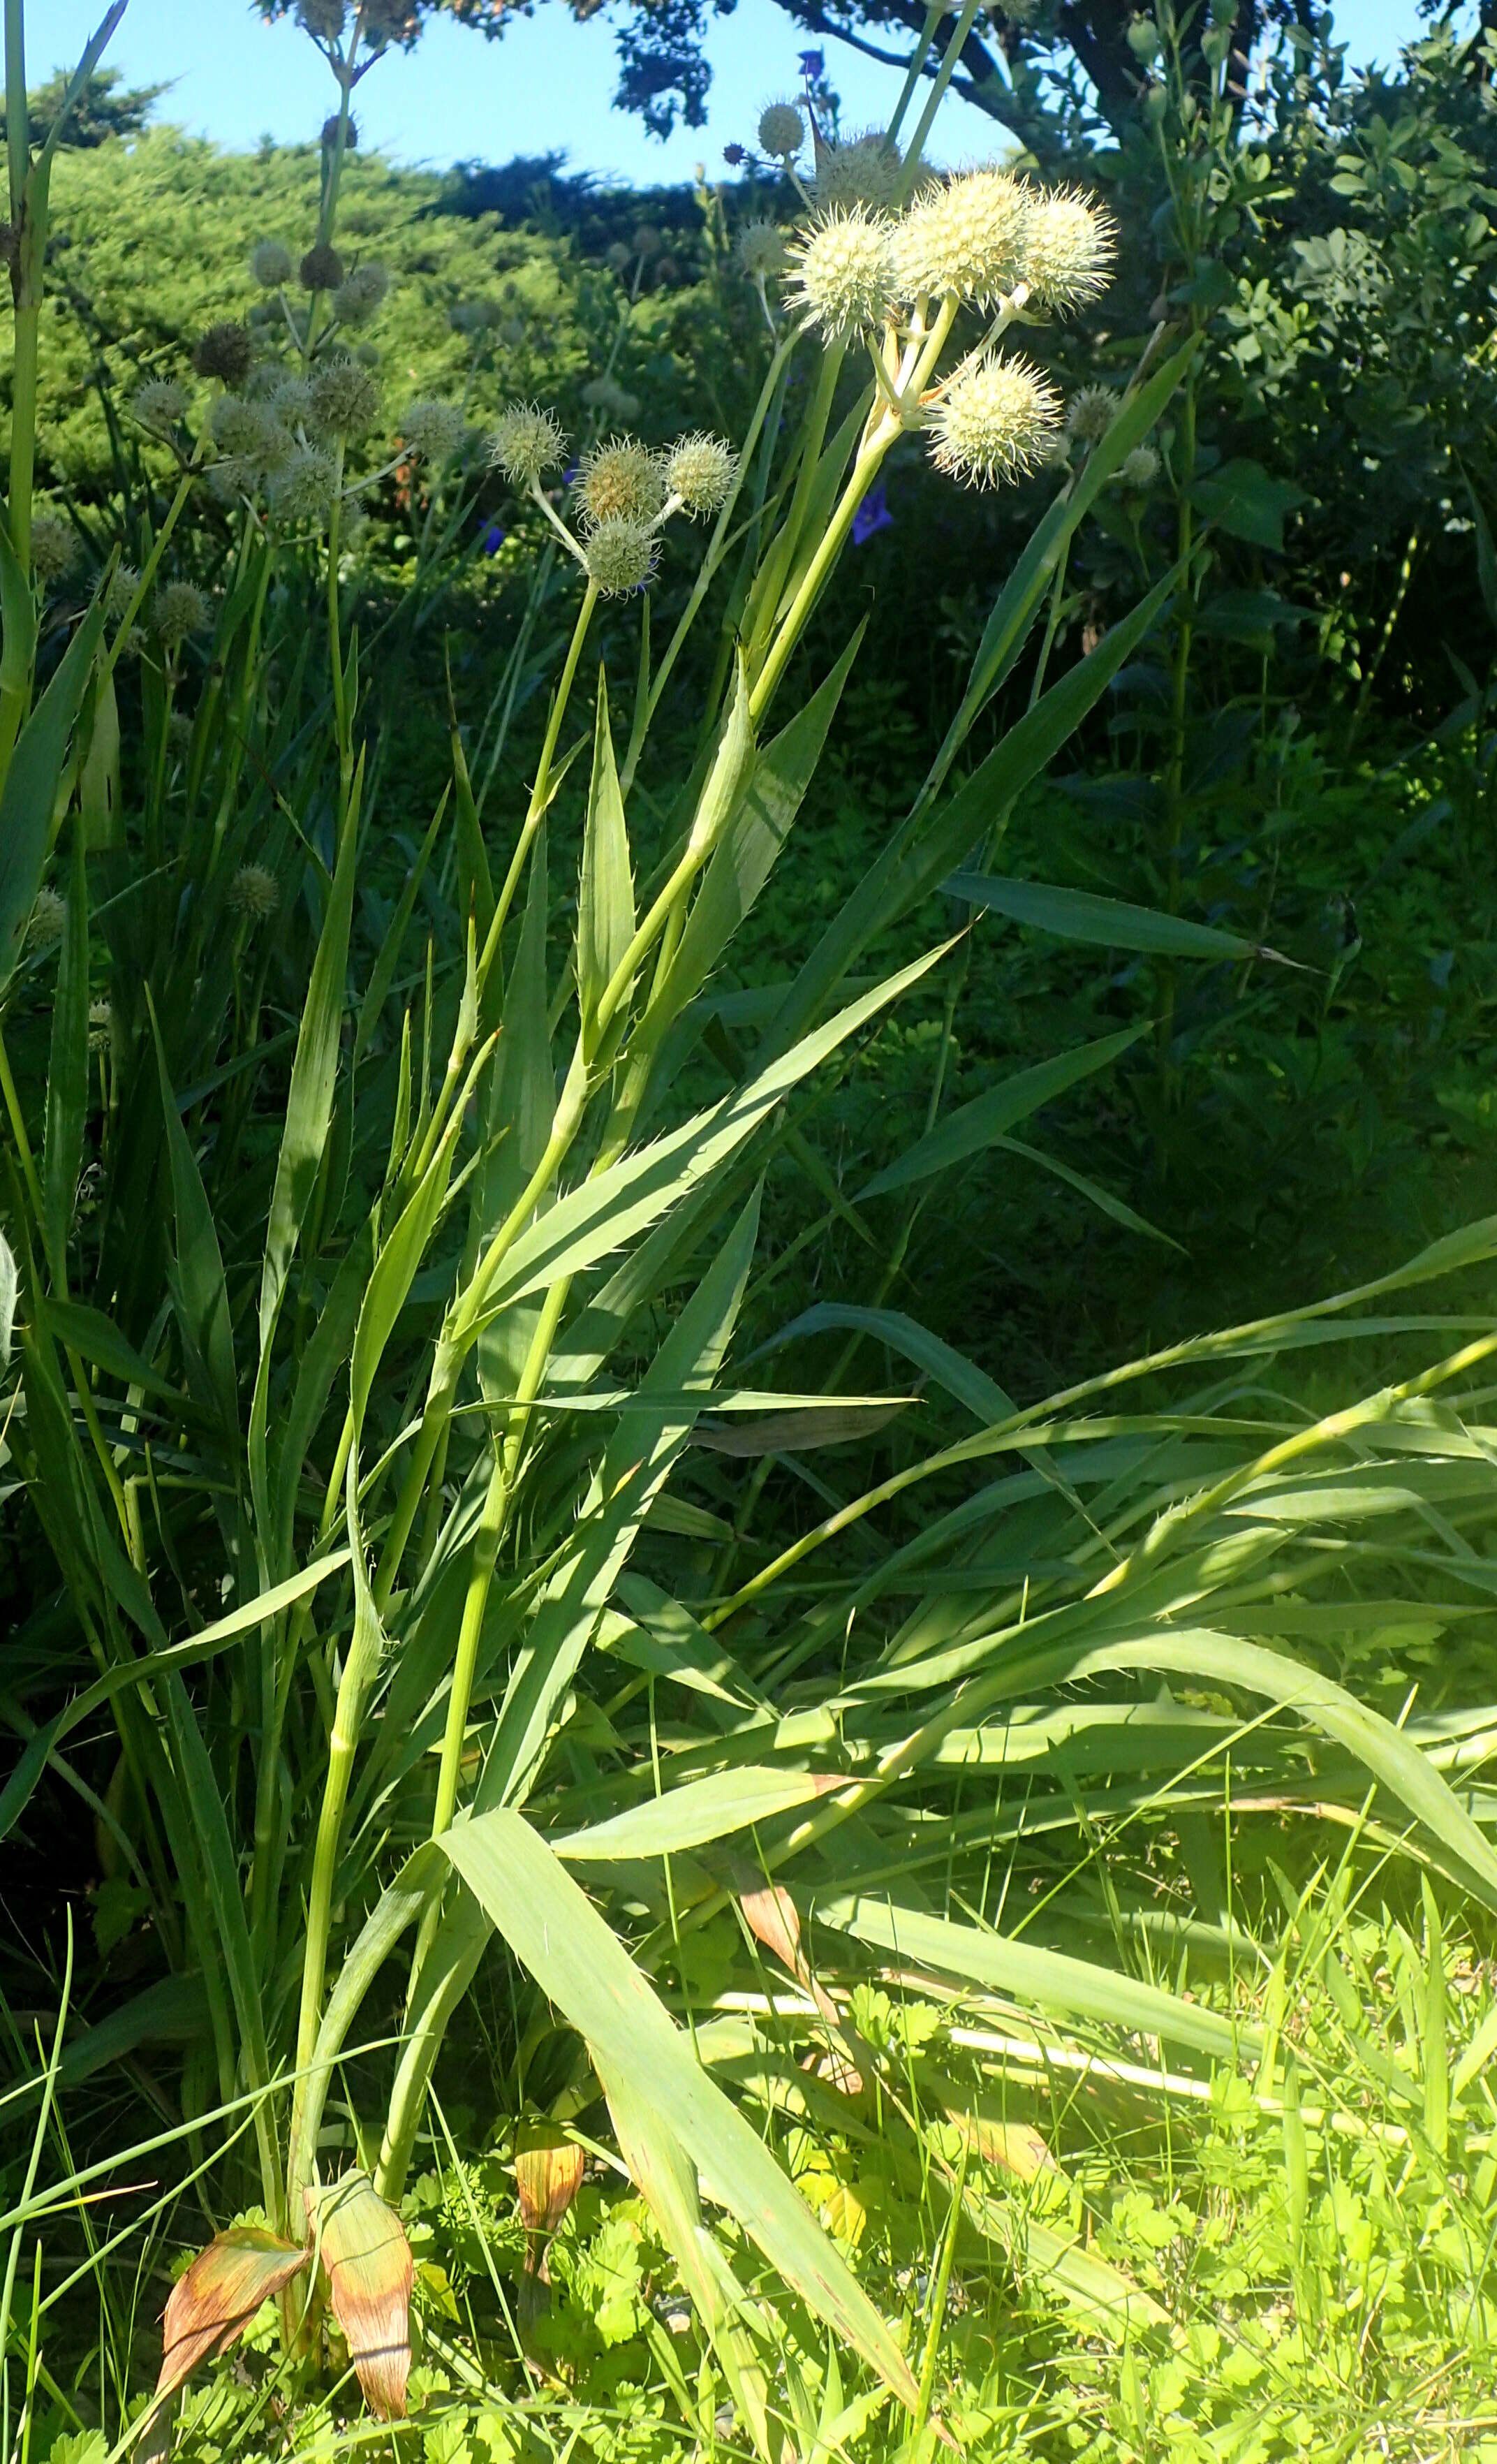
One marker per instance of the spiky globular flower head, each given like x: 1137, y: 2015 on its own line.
x: 781, y: 130
x: 473, y: 316
x: 123, y: 584
x: 701, y: 469
x: 621, y: 557
x: 345, y: 398
x: 249, y: 432
x: 362, y: 294
x: 618, y: 257
x: 336, y: 126
x: 840, y: 278
x: 646, y: 241
x: 527, y: 442
x: 760, y: 250
x: 225, y: 351
x: 1090, y: 413
x: 179, y: 608
x: 324, y: 18
x: 434, y: 430
x: 254, y: 892
x: 302, y: 490
x: 161, y: 405
x: 49, y: 915
x: 271, y: 263
x: 1138, y: 470
x: 863, y: 170
x: 1070, y: 245
x: 54, y: 546
x: 101, y: 1024
x: 322, y: 268
x: 966, y: 237
x: 291, y: 399
x: 997, y: 422
x: 620, y: 482
x: 607, y: 395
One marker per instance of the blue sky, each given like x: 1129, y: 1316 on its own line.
x: 547, y: 84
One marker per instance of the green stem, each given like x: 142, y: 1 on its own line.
x: 865, y: 471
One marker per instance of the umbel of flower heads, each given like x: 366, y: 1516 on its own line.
x: 899, y: 279
x: 624, y: 494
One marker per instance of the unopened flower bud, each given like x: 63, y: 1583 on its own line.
x: 322, y: 268
x: 621, y: 557
x: 225, y: 351
x: 760, y: 250
x: 997, y: 422
x: 1144, y: 41
x: 1139, y: 468
x: 435, y: 430
x: 1068, y: 252
x: 781, y: 130
x: 49, y: 915
x: 1090, y: 413
x: 303, y: 488
x: 607, y: 395
x: 179, y: 608
x: 254, y: 892
x: 863, y: 170
x: 526, y: 443
x: 123, y: 584
x: 345, y: 398
x: 620, y: 482
x: 701, y: 469
x: 841, y: 273
x: 271, y: 263
x: 161, y: 405
x: 362, y: 294
x: 646, y: 240
x: 619, y: 257
x: 966, y: 238
x: 54, y: 546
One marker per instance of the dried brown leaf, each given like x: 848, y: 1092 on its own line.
x: 369, y: 2274
x: 213, y: 2304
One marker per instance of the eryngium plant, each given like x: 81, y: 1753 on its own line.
x: 344, y: 1468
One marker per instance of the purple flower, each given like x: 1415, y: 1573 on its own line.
x: 571, y: 474
x: 872, y: 515
x: 493, y: 538
x: 813, y: 67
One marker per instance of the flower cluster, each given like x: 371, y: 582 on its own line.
x: 623, y: 491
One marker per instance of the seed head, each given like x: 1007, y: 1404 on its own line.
x: 760, y: 247
x: 254, y: 892
x: 620, y: 482
x: 362, y: 294
x: 1069, y: 249
x: 303, y: 488
x: 839, y: 271
x: 161, y: 405
x: 621, y: 557
x: 123, y: 584
x: 345, y: 398
x: 322, y: 268
x: 997, y: 422
x: 701, y: 469
x: 435, y: 430
x: 527, y: 442
x: 49, y: 915
x: 863, y: 170
x: 54, y: 546
x: 179, y: 608
x: 324, y: 18
x: 271, y: 263
x: 1139, y: 468
x: 1092, y: 414
x: 602, y: 393
x: 781, y: 130
x: 966, y: 237
x: 225, y: 351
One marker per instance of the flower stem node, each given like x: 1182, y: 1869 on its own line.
x: 999, y: 420
x: 527, y: 443
x: 842, y: 279
x: 621, y: 557
x: 700, y: 470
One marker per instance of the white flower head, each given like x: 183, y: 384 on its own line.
x: 998, y: 421
x: 840, y: 278
x: 527, y: 442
